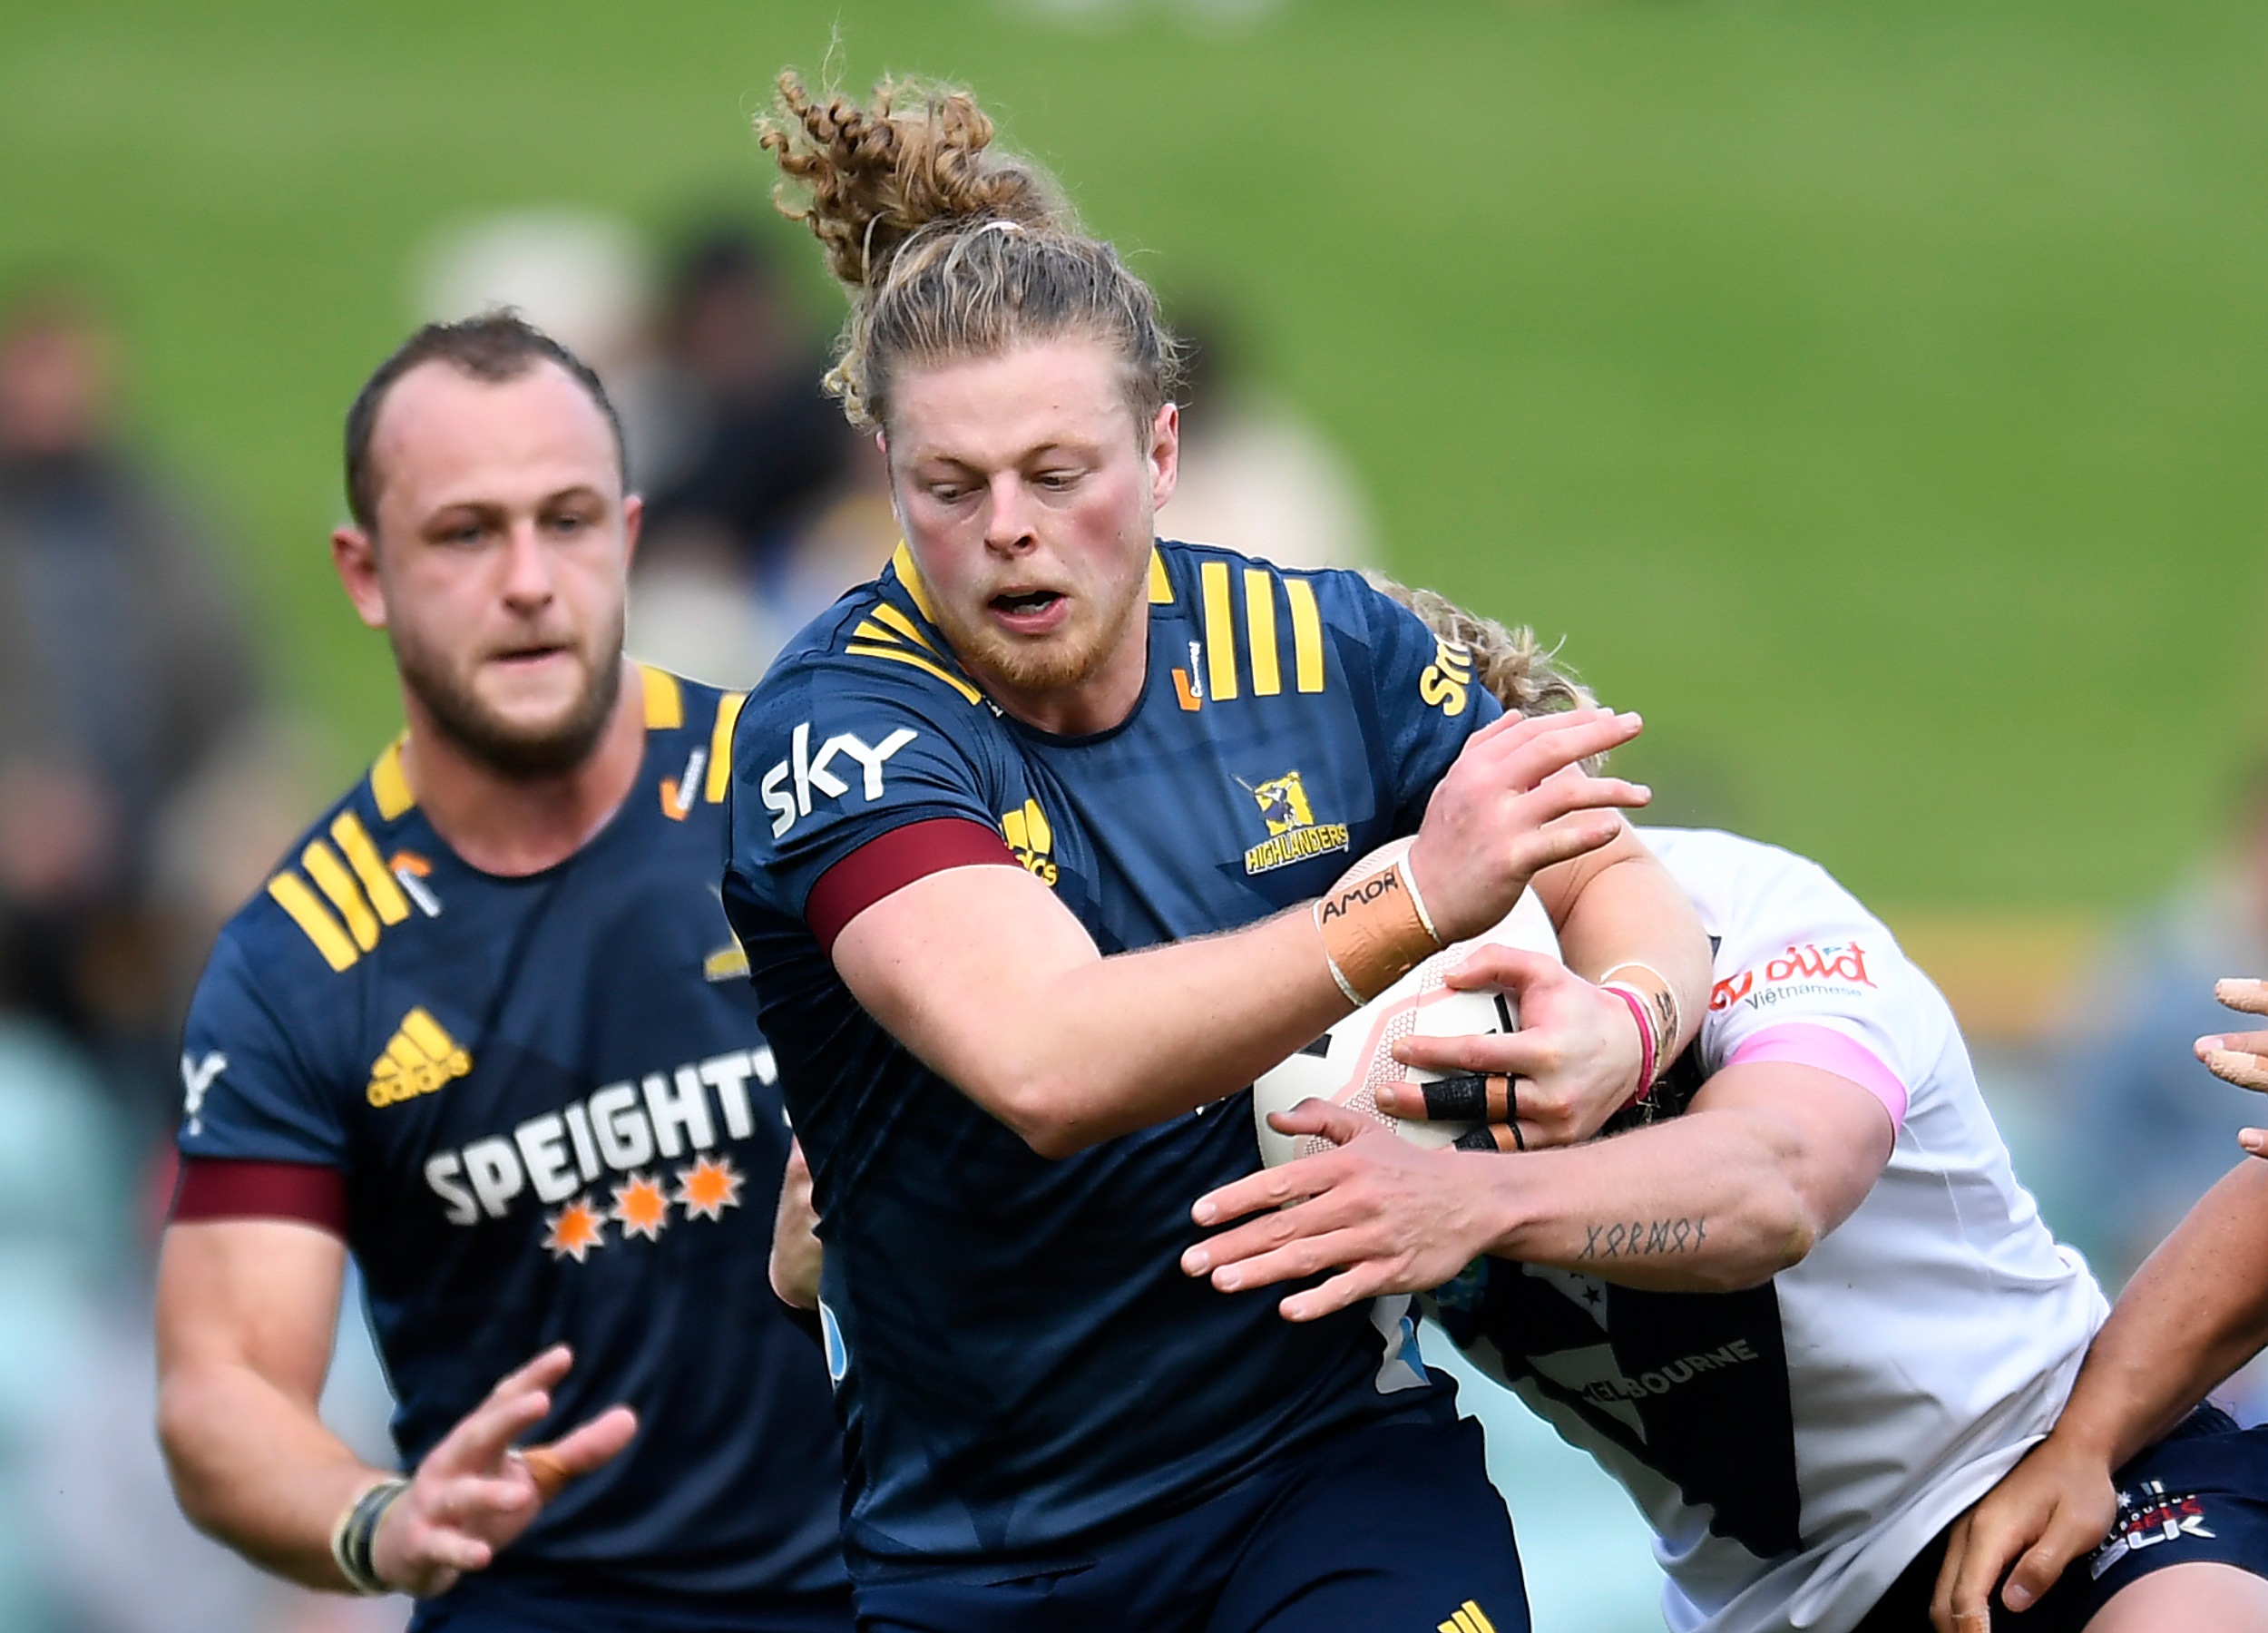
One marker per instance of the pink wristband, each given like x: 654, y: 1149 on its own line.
x: 1645, y: 1023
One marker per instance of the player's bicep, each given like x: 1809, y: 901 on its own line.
x: 259, y: 1294
x: 1834, y: 1135
x: 954, y: 963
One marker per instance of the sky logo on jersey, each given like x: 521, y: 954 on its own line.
x: 1294, y: 834
x: 420, y: 1059
x: 1031, y: 840
x: 1810, y: 968
x: 811, y: 773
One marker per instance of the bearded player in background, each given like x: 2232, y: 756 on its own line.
x: 486, y: 1030
x: 1028, y: 839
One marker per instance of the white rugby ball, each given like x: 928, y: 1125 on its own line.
x: 1347, y: 1064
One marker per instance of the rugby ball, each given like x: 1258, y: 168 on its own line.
x: 1345, y: 1065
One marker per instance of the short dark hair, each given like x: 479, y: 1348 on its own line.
x: 495, y: 346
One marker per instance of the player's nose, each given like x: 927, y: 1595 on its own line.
x: 1011, y: 514
x: 527, y: 565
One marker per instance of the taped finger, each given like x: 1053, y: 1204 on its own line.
x: 2234, y: 1066
x: 1509, y: 1136
x: 1466, y: 1097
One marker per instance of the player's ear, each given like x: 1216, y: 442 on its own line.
x: 633, y: 518
x: 1165, y: 454
x: 355, y: 556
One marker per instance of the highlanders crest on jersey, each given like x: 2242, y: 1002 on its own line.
x: 1294, y: 834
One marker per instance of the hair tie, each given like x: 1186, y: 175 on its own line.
x: 999, y: 224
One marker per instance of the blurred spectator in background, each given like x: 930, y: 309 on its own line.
x: 1255, y: 476
x: 762, y: 506
x: 752, y: 440
x: 2149, y: 1128
x: 125, y: 677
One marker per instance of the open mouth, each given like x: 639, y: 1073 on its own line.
x: 1022, y: 603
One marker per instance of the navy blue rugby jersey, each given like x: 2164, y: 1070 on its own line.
x: 555, y: 1117
x: 1021, y: 1366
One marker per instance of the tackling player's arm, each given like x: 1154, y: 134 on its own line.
x: 2194, y: 1312
x: 995, y: 985
x: 1768, y: 1159
x: 1622, y: 920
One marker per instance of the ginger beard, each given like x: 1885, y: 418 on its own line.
x: 1099, y: 614
x: 509, y: 742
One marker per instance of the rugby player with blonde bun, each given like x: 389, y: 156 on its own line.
x: 1797, y: 1303
x: 1035, y: 850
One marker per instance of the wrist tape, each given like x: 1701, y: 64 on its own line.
x: 358, y: 1529
x: 1375, y: 931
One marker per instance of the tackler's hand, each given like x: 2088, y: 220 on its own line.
x: 475, y: 1492
x: 1388, y: 1216
x: 1573, y: 1063
x: 1516, y: 802
x: 2048, y: 1509
x: 2241, y: 1058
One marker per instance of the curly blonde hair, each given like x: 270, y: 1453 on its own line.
x: 1511, y: 664
x: 947, y: 247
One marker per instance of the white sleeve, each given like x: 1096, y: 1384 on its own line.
x: 1805, y: 974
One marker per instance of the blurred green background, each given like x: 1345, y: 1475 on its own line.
x: 1871, y: 394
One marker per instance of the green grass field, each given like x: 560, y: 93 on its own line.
x: 1871, y: 394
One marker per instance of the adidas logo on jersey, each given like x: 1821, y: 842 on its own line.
x: 420, y: 1059
x: 810, y: 772
x: 1468, y: 1618
x: 1031, y: 839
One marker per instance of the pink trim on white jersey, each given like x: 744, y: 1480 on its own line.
x: 1825, y: 1049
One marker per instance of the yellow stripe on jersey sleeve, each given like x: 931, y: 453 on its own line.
x: 332, y: 878
x: 383, y: 889
x: 1268, y: 679
x: 1306, y: 634
x: 904, y: 625
x: 719, y: 776
x: 390, y: 784
x: 900, y: 655
x: 291, y: 894
x: 1220, y: 630
x: 665, y: 701
x: 1160, y: 584
x: 902, y: 558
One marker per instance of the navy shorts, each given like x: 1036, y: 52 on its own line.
x: 2200, y: 1495
x: 1389, y: 1528
x: 501, y: 1605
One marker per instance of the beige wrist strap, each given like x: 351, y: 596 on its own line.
x: 1375, y: 931
x: 1661, y: 1000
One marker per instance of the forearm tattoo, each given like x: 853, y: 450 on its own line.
x: 1645, y: 1239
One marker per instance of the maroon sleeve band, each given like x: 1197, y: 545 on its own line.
x: 893, y: 860
x: 220, y: 1187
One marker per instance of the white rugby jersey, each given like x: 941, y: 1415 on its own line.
x: 1796, y: 1446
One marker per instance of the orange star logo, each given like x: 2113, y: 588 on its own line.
x: 706, y: 1189
x: 640, y: 1209
x: 574, y: 1230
